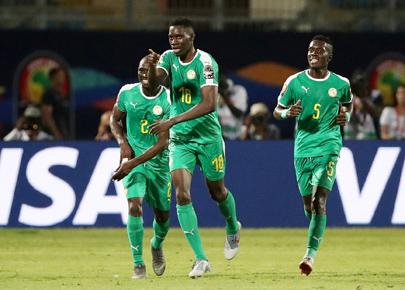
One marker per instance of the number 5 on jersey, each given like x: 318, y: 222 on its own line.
x: 317, y: 110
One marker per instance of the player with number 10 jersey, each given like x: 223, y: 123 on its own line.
x: 186, y: 82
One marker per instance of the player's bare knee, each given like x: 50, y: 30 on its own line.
x: 217, y: 191
x: 319, y: 205
x: 218, y: 195
x: 161, y: 217
x: 161, y: 220
x: 183, y: 198
x: 135, y: 208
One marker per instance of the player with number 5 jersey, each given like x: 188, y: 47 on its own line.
x: 195, y: 135
x: 320, y: 100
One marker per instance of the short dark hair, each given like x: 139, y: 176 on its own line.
x: 323, y: 38
x: 182, y: 22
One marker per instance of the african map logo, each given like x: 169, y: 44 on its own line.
x: 31, y: 79
x: 385, y: 73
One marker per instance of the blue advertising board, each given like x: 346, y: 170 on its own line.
x: 68, y: 184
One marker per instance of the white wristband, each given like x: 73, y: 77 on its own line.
x: 283, y: 114
x: 348, y: 116
x: 124, y: 160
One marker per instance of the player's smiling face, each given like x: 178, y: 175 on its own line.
x: 181, y: 39
x: 319, y: 54
x: 143, y: 70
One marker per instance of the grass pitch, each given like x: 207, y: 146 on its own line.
x: 358, y: 259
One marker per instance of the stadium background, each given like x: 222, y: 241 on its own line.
x: 258, y: 43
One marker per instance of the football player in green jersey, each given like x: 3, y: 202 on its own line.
x: 320, y: 100
x: 195, y: 135
x: 144, y: 164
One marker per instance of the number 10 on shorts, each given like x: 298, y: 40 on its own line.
x: 218, y: 162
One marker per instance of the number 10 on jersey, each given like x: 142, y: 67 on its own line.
x: 185, y: 95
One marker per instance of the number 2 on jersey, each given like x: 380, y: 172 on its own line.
x: 185, y: 95
x: 317, y: 111
x: 144, y: 128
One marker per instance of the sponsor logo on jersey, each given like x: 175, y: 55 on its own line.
x: 208, y: 72
x: 157, y: 110
x: 191, y: 74
x: 305, y: 89
x: 176, y: 67
x: 332, y: 92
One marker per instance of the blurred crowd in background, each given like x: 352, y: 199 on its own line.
x: 61, y: 94
x: 370, y: 119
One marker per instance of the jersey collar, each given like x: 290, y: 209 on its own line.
x: 317, y: 80
x: 187, y: 63
x: 150, y: 97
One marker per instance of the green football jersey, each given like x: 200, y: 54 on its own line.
x: 317, y: 132
x: 186, y: 81
x: 141, y: 111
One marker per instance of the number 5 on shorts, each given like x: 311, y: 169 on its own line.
x: 330, y: 171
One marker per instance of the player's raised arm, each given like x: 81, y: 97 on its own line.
x: 118, y: 131
x: 156, y: 76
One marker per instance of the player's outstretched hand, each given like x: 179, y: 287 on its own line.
x: 160, y: 126
x: 341, y: 118
x: 153, y: 57
x: 122, y: 171
x: 295, y: 110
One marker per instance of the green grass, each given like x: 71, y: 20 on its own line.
x: 358, y: 259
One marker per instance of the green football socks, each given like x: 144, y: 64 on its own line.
x: 189, y: 225
x: 159, y: 233
x: 228, y: 210
x: 135, y: 237
x: 315, y: 233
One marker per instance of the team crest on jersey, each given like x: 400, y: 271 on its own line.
x: 191, y: 74
x: 157, y: 110
x: 332, y: 92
